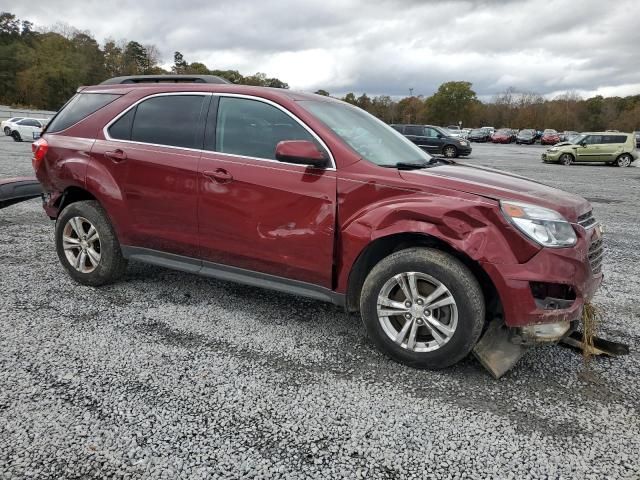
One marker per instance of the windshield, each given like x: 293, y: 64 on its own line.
x: 371, y: 138
x: 526, y: 132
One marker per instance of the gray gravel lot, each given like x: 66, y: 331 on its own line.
x: 168, y: 375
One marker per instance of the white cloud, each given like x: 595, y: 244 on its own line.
x: 384, y: 46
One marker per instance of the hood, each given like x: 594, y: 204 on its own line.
x: 563, y: 144
x: 497, y: 185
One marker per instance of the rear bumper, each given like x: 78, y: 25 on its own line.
x: 561, y: 266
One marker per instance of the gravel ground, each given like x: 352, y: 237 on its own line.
x: 168, y: 375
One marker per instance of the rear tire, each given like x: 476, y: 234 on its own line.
x: 566, y: 159
x: 456, y: 315
x: 89, y: 261
x: 16, y: 137
x: 449, y: 151
x: 624, y: 160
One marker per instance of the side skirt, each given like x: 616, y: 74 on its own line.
x: 233, y: 274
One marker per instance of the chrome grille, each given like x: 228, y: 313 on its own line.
x: 587, y: 220
x: 596, y: 255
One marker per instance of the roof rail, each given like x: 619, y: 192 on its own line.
x: 164, y: 79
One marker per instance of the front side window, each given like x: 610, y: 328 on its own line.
x: 252, y: 128
x: 593, y: 140
x: 431, y: 132
x: 173, y: 120
x: 369, y: 137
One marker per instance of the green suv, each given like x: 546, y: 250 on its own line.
x: 608, y: 147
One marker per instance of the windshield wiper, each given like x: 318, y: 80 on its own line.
x: 409, y: 165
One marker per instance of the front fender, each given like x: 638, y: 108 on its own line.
x: 474, y: 228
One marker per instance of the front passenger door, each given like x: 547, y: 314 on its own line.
x: 591, y: 151
x: 255, y: 212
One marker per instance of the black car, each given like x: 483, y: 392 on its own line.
x: 479, y: 135
x: 435, y: 140
x: 527, y: 136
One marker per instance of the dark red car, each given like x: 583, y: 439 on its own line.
x: 309, y: 195
x: 549, y: 137
x: 504, y: 135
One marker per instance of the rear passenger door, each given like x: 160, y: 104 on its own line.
x: 152, y: 151
x: 612, y: 147
x: 255, y: 212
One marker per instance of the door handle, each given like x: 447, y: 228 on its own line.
x: 116, y: 155
x: 219, y: 175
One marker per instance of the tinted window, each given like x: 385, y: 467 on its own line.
x: 614, y: 139
x: 121, y: 129
x: 253, y: 128
x: 414, y: 130
x: 29, y: 123
x: 397, y: 128
x: 169, y: 120
x: 79, y: 107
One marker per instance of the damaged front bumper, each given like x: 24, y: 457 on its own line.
x: 542, y: 299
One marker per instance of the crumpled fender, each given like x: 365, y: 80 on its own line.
x: 474, y: 228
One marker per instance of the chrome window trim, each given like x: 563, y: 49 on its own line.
x: 105, y: 130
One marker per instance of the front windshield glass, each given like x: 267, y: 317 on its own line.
x: 371, y: 138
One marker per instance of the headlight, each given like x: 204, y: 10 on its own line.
x: 542, y: 225
x: 463, y: 142
x: 552, y: 149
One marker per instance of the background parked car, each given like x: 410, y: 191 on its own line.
x: 28, y: 129
x: 567, y: 134
x: 637, y: 134
x: 489, y: 129
x: 435, y: 140
x: 504, y: 135
x: 479, y: 135
x: 527, y: 135
x: 7, y: 125
x: 549, y: 137
x: 608, y: 147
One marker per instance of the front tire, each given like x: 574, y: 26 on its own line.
x: 422, y: 307
x: 450, y: 151
x: 16, y: 137
x: 566, y: 159
x: 624, y: 160
x: 87, y: 245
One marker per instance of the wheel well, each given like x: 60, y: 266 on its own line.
x: 385, y: 246
x: 72, y: 195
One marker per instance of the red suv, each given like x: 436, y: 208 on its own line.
x: 309, y: 195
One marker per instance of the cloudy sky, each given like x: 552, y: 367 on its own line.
x: 382, y: 46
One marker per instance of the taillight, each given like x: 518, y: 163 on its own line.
x: 39, y: 149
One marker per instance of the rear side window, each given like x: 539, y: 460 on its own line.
x: 414, y: 130
x: 614, y: 139
x: 253, y: 129
x: 173, y: 120
x: 79, y: 107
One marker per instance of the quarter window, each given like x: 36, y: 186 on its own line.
x: 253, y: 129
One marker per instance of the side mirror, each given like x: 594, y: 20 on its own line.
x: 583, y: 144
x: 440, y: 135
x: 302, y: 152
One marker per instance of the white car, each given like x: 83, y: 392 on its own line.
x: 7, y: 125
x: 28, y: 129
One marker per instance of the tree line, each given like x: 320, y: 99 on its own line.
x: 456, y: 102
x: 43, y: 68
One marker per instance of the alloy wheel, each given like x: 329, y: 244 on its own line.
x: 624, y: 160
x: 566, y: 159
x: 417, y: 312
x: 450, y: 152
x: 81, y: 244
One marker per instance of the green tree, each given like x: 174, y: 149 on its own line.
x: 452, y: 102
x: 324, y: 93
